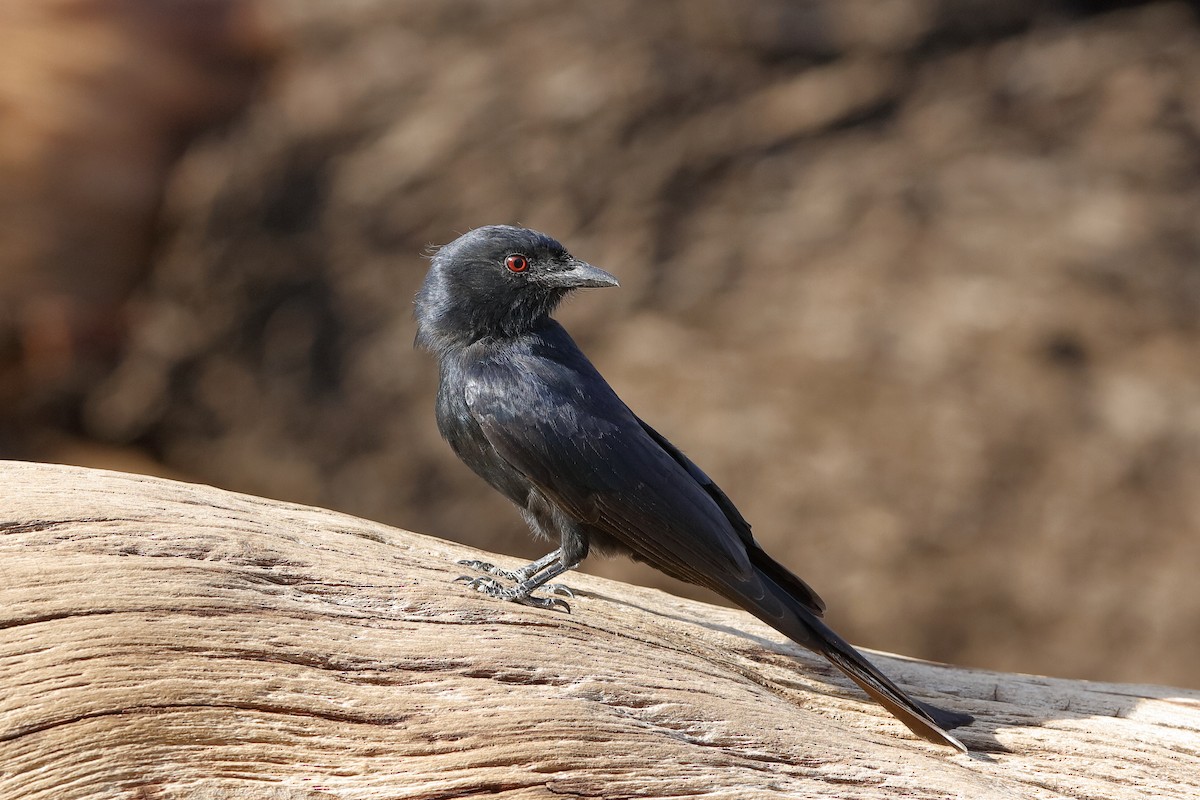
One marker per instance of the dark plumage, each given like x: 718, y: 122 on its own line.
x: 524, y: 408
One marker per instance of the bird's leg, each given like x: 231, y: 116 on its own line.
x: 539, y: 579
x: 529, y: 579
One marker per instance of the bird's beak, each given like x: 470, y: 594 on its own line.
x: 580, y: 274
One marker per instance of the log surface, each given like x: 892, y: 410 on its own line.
x: 166, y: 640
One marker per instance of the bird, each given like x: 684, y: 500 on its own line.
x: 522, y: 406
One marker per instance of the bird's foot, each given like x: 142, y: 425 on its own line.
x: 490, y: 569
x: 516, y: 594
x: 516, y: 576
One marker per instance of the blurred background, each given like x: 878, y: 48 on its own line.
x: 916, y: 281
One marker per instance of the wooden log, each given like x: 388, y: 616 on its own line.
x: 160, y: 640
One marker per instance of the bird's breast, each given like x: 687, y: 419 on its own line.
x: 462, y: 432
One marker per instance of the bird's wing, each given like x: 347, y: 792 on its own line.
x: 779, y: 573
x: 564, y: 429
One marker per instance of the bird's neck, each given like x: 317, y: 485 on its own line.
x: 547, y: 339
x: 454, y: 328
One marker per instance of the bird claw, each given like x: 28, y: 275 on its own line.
x: 551, y: 603
x: 490, y: 569
x: 559, y: 588
x: 493, y: 588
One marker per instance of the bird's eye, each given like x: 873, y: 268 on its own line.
x: 516, y: 263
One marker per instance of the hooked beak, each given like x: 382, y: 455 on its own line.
x: 579, y: 275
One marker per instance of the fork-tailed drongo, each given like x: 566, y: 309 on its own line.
x: 524, y: 408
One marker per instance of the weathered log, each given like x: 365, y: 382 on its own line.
x: 165, y: 640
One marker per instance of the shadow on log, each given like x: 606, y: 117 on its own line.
x: 165, y: 640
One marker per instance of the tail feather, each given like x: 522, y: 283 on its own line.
x: 926, y: 721
x: 798, y: 623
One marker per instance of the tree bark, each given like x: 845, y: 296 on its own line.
x: 165, y: 640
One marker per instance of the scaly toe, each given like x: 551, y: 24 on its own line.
x: 490, y: 569
x: 484, y: 584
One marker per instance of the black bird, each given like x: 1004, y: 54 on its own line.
x: 523, y: 407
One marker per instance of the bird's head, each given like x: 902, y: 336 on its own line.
x: 496, y: 282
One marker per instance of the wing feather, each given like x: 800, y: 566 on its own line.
x: 590, y: 455
x: 799, y: 589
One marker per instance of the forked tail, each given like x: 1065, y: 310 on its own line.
x: 790, y: 617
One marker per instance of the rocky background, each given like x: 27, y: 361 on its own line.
x: 916, y: 281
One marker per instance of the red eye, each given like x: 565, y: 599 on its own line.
x: 516, y: 263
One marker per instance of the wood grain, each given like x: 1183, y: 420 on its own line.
x: 165, y: 640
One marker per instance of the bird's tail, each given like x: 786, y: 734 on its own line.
x: 925, y: 720
x: 802, y: 626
